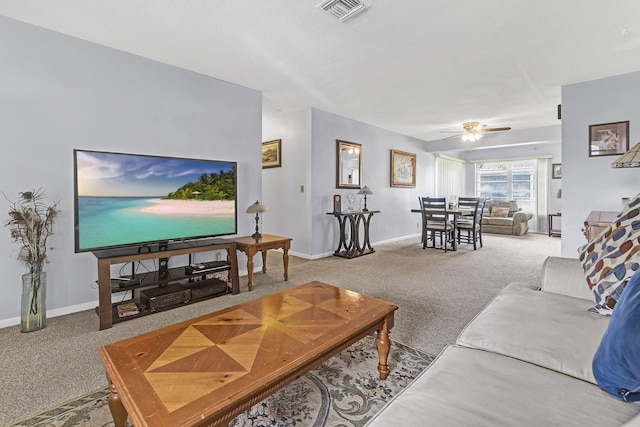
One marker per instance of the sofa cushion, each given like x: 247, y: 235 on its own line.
x: 611, y: 258
x: 505, y: 222
x: 469, y: 387
x: 501, y: 212
x: 634, y: 422
x: 547, y: 329
x: 616, y: 364
x: 512, y: 205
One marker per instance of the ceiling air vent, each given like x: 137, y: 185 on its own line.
x: 343, y: 9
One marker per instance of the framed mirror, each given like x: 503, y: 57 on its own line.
x: 349, y: 165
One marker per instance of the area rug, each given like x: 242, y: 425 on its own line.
x: 343, y: 391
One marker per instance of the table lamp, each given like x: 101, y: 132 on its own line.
x: 257, y: 208
x: 366, y: 191
x: 630, y: 159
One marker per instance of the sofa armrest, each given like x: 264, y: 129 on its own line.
x: 522, y: 216
x: 565, y: 276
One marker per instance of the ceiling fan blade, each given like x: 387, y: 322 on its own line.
x: 494, y: 129
x: 450, y: 131
x: 452, y: 136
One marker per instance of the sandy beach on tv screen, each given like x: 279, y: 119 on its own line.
x: 191, y: 207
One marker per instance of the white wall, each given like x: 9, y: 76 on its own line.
x: 395, y: 219
x: 289, y: 207
x: 590, y: 183
x: 309, y: 159
x: 58, y: 93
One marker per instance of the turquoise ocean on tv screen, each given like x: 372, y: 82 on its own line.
x: 114, y: 221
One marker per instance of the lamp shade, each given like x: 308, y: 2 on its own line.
x: 630, y: 159
x: 365, y: 190
x: 257, y: 207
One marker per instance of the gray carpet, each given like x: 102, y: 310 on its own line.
x: 437, y: 295
x: 343, y: 391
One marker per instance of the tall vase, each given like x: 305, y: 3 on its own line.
x: 33, y: 314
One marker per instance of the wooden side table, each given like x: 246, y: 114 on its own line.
x: 555, y: 232
x: 598, y: 221
x: 250, y: 246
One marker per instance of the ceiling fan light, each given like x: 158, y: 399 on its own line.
x: 471, y: 136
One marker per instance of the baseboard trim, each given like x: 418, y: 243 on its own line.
x: 54, y: 313
x: 241, y: 272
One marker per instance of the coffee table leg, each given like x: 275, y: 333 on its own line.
x: 118, y: 411
x: 383, y: 344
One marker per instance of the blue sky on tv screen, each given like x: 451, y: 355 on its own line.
x: 130, y: 175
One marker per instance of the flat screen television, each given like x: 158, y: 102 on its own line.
x: 136, y: 200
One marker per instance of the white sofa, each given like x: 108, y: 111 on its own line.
x: 525, y: 360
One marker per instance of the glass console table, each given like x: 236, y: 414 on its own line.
x: 357, y: 243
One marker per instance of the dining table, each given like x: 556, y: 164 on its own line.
x: 453, y: 212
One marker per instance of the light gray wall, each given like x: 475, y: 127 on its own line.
x: 289, y: 207
x: 309, y: 159
x: 395, y: 219
x: 590, y: 183
x: 58, y: 93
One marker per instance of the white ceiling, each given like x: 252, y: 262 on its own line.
x: 416, y: 67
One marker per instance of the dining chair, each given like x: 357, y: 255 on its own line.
x: 436, y: 220
x: 421, y: 200
x: 469, y: 226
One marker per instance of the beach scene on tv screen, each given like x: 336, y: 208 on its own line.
x: 125, y: 199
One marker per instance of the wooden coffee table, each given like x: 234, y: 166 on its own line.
x: 205, y: 371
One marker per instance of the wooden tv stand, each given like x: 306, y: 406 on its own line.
x: 107, y: 311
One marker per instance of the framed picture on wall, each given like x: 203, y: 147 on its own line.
x: 609, y: 139
x: 556, y: 171
x: 271, y: 154
x: 403, y: 169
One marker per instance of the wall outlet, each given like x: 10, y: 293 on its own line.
x: 218, y: 256
x: 417, y: 225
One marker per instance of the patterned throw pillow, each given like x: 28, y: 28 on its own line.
x: 611, y: 258
x: 500, y: 212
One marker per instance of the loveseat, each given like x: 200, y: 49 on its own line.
x: 505, y: 218
x: 525, y: 360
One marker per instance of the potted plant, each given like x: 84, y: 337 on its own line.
x: 31, y: 224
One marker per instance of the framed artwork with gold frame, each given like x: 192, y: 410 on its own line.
x: 403, y: 169
x: 271, y: 154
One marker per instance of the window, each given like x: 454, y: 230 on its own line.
x: 508, y: 180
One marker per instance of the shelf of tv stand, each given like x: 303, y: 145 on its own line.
x: 107, y: 286
x: 144, y: 311
x: 152, y: 278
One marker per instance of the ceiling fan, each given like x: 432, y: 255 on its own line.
x: 473, y: 131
